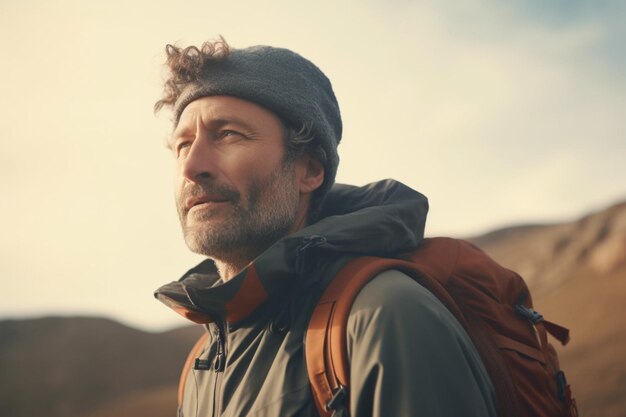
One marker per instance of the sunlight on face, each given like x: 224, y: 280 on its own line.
x: 235, y: 194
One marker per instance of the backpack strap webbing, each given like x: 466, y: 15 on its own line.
x: 189, y: 362
x: 326, y: 339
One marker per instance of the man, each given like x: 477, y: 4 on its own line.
x: 255, y: 142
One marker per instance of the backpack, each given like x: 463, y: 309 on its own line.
x: 492, y: 304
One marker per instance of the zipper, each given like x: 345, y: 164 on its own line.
x: 220, y: 358
x: 219, y: 365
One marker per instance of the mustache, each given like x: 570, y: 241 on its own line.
x: 194, y: 190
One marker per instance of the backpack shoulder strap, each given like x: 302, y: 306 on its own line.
x: 326, y: 339
x: 191, y: 358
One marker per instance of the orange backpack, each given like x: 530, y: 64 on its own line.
x: 492, y: 303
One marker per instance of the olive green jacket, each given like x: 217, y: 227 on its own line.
x: 408, y: 355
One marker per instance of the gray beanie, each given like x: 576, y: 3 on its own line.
x: 285, y: 83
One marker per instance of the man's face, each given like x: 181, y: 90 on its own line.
x: 235, y: 194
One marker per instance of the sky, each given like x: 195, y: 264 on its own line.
x: 502, y: 113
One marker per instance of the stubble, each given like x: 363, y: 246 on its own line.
x: 246, y: 227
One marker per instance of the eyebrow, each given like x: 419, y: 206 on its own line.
x: 214, y: 123
x: 231, y: 119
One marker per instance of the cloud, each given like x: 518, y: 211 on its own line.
x: 485, y: 102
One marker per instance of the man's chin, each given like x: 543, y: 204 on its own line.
x: 200, y: 244
x: 210, y: 239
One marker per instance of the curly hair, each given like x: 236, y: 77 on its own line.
x: 186, y: 65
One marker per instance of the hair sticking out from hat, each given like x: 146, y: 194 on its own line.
x: 185, y: 66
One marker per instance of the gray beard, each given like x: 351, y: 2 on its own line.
x: 248, y: 231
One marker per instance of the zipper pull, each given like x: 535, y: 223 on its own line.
x: 220, y: 359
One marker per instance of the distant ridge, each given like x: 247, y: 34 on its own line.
x: 61, y: 367
x: 498, y: 235
x: 545, y: 255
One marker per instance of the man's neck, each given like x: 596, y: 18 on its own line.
x: 228, y: 270
x: 230, y: 265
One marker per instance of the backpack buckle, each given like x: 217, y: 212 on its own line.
x: 337, y: 398
x: 528, y: 313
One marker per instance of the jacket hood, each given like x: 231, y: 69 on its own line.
x: 382, y: 219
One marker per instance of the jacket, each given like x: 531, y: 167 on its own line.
x: 408, y: 355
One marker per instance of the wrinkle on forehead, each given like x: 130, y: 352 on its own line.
x: 208, y: 114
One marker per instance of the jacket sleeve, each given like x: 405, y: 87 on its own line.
x: 409, y: 356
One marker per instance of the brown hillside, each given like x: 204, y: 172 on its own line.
x: 577, y: 273
x: 62, y: 367
x: 158, y: 402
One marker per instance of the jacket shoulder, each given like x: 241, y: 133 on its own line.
x: 410, y: 355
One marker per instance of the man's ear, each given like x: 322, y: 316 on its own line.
x: 312, y: 174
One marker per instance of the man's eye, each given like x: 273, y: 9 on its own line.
x: 181, y: 146
x: 229, y: 133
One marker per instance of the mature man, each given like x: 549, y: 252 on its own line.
x: 255, y: 143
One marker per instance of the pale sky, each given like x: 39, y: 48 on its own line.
x: 500, y: 112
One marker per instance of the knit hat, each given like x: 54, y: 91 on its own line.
x: 285, y: 83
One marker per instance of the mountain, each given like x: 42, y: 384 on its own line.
x: 61, y: 367
x: 93, y: 367
x: 577, y: 274
x: 547, y: 255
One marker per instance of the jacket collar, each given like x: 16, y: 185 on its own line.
x: 381, y: 218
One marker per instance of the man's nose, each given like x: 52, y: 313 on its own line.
x: 199, y: 164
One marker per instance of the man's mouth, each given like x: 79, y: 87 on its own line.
x: 204, y: 201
